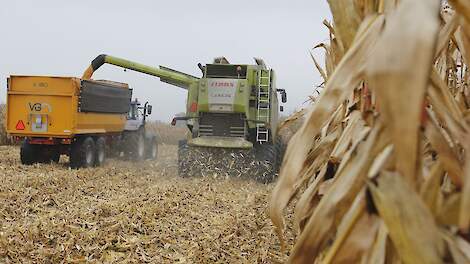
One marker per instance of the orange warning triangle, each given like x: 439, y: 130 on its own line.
x: 20, y: 125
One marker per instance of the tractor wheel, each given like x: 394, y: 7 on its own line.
x: 82, y: 154
x: 100, y: 156
x: 151, y: 150
x: 28, y: 153
x: 135, y: 146
x: 183, y: 159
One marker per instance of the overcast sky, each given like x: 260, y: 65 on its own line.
x: 57, y: 37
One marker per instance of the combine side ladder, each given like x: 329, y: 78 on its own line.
x: 264, y: 109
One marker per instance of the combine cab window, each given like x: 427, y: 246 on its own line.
x: 226, y: 71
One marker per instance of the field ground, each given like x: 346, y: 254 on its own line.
x: 127, y: 212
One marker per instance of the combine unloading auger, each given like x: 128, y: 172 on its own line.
x: 165, y: 74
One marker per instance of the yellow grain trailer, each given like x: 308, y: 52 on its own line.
x: 66, y: 115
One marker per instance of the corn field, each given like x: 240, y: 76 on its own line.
x: 379, y: 171
x: 3, y: 133
x: 166, y: 133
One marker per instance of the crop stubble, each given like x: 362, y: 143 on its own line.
x: 128, y: 212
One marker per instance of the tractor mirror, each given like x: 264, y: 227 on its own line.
x: 173, y: 122
x: 281, y: 108
x: 284, y: 96
x: 149, y: 109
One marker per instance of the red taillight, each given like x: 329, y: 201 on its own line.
x: 66, y: 141
x: 193, y: 107
x: 20, y: 125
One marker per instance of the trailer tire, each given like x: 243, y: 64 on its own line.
x: 28, y: 153
x: 136, y: 146
x: 53, y: 154
x: 100, y: 156
x: 151, y: 150
x: 82, y: 154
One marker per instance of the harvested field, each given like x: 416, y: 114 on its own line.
x: 128, y: 212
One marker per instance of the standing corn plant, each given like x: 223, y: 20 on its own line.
x: 381, y: 165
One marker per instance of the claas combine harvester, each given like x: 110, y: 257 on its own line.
x: 232, y: 116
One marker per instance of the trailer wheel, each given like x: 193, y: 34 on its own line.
x: 100, y: 152
x: 28, y: 153
x: 52, y: 154
x: 83, y: 153
x: 151, y: 150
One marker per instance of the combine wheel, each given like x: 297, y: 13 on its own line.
x: 266, y: 155
x: 136, y: 146
x: 82, y: 154
x: 100, y: 158
x: 183, y: 158
x: 271, y: 156
x: 151, y: 150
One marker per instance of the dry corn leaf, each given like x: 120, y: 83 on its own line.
x: 348, y: 181
x: 346, y: 20
x: 355, y: 234
x: 459, y: 251
x: 409, y: 222
x: 377, y: 254
x: 346, y: 76
x: 418, y: 63
x: 463, y: 6
x: 399, y: 75
x: 431, y: 189
x: 448, y: 157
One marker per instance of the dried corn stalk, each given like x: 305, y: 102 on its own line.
x: 381, y: 164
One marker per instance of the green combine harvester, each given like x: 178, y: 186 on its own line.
x: 232, y: 114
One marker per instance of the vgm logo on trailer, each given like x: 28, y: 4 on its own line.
x: 38, y: 107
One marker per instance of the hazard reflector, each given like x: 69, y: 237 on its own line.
x: 193, y: 107
x: 20, y: 125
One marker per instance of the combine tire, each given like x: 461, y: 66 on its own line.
x: 28, y: 153
x: 270, y: 156
x: 266, y: 155
x: 151, y: 150
x: 100, y: 158
x: 135, y: 146
x: 82, y: 154
x: 183, y: 158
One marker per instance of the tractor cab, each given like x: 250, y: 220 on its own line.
x: 137, y: 115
